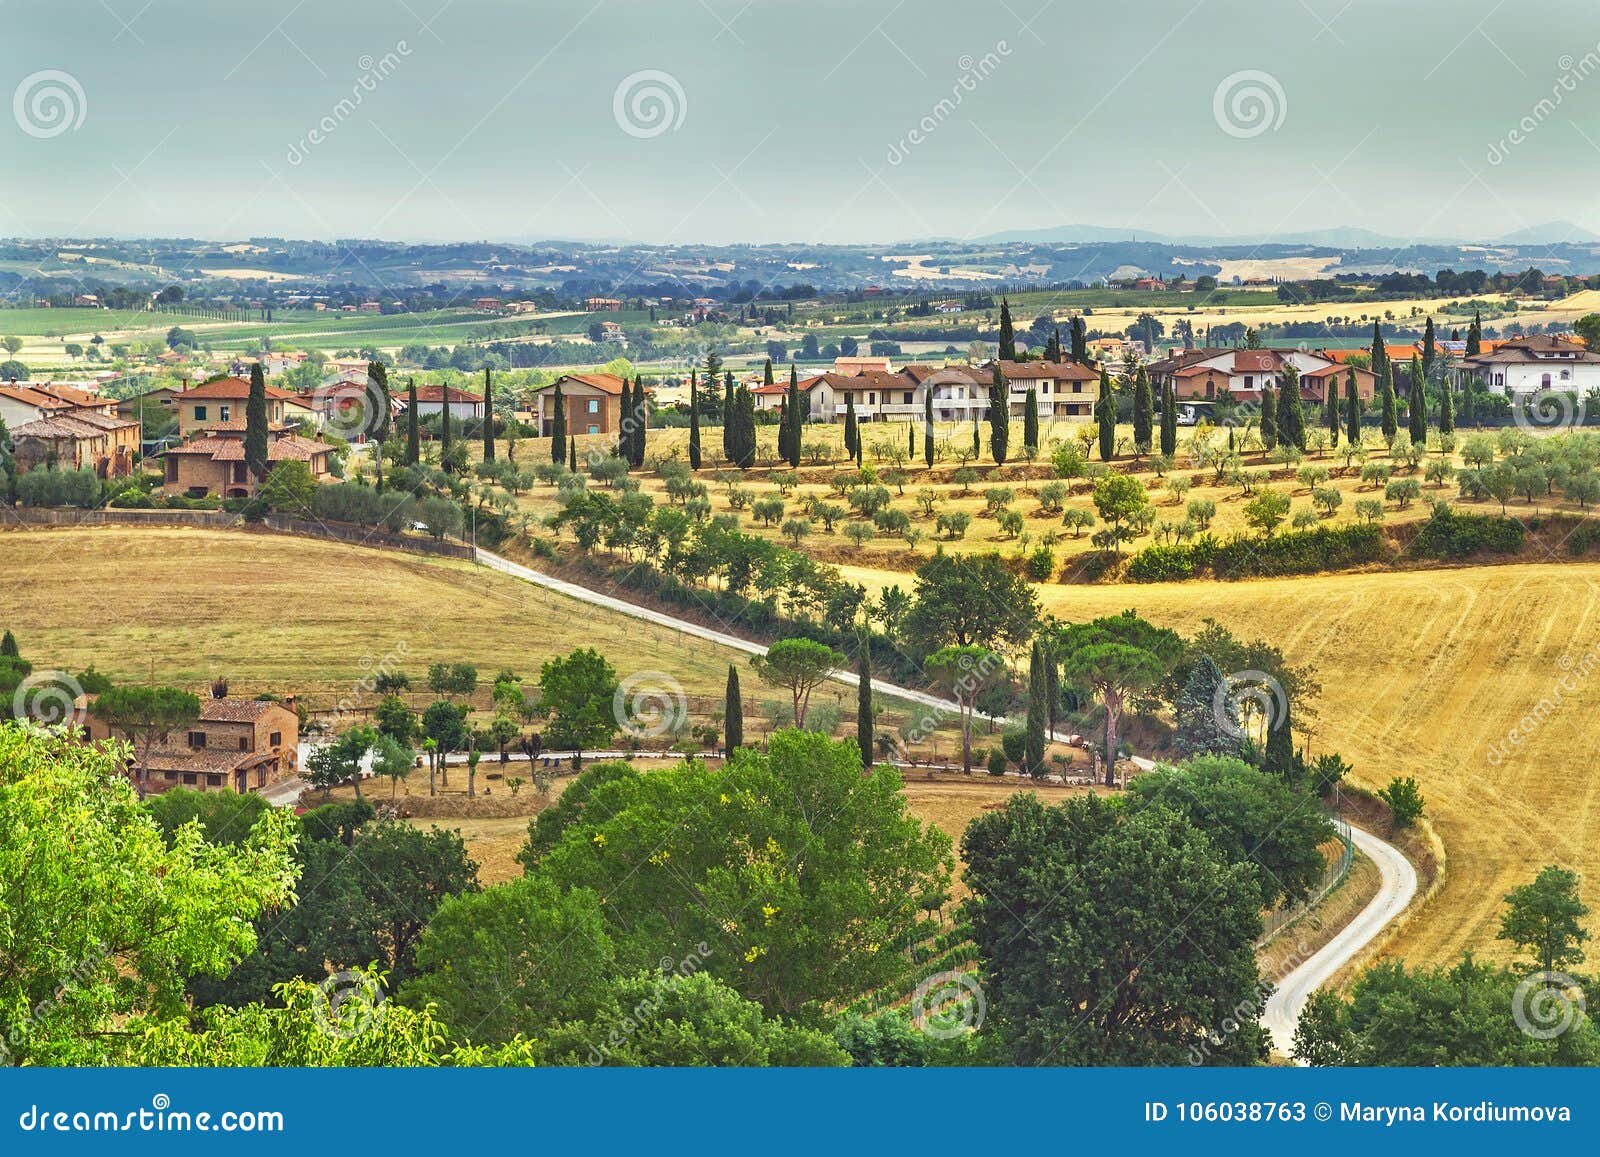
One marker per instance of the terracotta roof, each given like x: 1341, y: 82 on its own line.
x: 803, y: 385
x: 437, y: 394
x: 1336, y: 368
x: 1256, y: 361
x: 1063, y: 371
x: 69, y: 395
x: 58, y: 426
x: 27, y: 395
x: 227, y: 389
x: 606, y: 383
x: 236, y: 710
x: 289, y: 448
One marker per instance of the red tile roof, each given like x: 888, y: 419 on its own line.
x: 803, y: 385
x: 1061, y: 371
x: 291, y: 447
x: 228, y: 389
x: 605, y: 383
x: 437, y: 394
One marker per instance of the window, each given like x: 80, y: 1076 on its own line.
x: 224, y: 413
x: 275, y: 739
x: 1545, y: 382
x: 594, y: 406
x: 214, y: 780
x: 189, y: 777
x: 199, y: 413
x: 197, y: 739
x: 908, y: 397
x: 244, y: 743
x: 1249, y: 382
x: 172, y: 469
x: 872, y: 397
x: 593, y: 429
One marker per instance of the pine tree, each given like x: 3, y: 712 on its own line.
x: 1389, y: 408
x: 8, y: 647
x: 488, y: 414
x: 1417, y: 403
x: 1030, y: 422
x: 413, y: 433
x: 444, y: 428
x: 1291, y: 411
x: 1201, y: 714
x: 1269, y: 418
x: 1330, y: 410
x: 1038, y: 713
x: 558, y: 428
x: 999, y: 418
x: 927, y: 427
x: 1352, y: 410
x: 1105, y: 413
x: 1008, y: 341
x: 864, y: 702
x: 694, y: 428
x: 378, y: 375
x: 794, y: 415
x: 1143, y: 413
x: 733, y: 711
x: 1169, y: 418
x: 255, y: 425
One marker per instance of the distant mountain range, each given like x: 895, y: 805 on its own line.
x: 1344, y: 237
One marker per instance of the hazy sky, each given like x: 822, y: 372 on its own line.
x: 795, y: 120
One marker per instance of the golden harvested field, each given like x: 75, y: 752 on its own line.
x: 279, y: 614
x: 1426, y: 674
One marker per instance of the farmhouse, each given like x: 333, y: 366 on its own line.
x: 593, y: 403
x: 78, y: 439
x: 433, y: 399
x: 771, y: 397
x: 1531, y: 364
x: 235, y: 745
x: 1242, y: 374
x: 215, y: 464
x: 218, y: 405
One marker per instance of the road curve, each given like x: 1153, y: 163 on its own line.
x: 1282, y: 1013
x: 1395, y: 893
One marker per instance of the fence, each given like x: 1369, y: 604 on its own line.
x: 223, y: 520
x: 1332, y: 877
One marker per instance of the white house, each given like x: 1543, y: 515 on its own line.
x: 1531, y: 364
x: 431, y: 400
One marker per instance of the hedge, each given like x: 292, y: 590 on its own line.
x: 1247, y: 556
x: 1451, y: 534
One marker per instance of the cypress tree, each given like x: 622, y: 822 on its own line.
x: 255, y: 425
x: 1269, y: 418
x: 852, y: 434
x: 1417, y: 403
x: 999, y: 418
x: 444, y: 427
x: 766, y: 374
x: 1388, y: 406
x: 413, y: 434
x: 1030, y: 422
x: 8, y: 647
x: 1475, y: 335
x: 1038, y: 713
x: 641, y: 421
x: 488, y: 414
x: 378, y: 375
x: 1379, y: 356
x: 1080, y: 341
x: 694, y: 430
x: 911, y: 440
x: 572, y: 454
x: 1447, y: 415
x: 1330, y: 409
x: 783, y: 428
x: 1052, y: 687
x: 1200, y: 730
x: 1352, y: 410
x: 864, y: 702
x: 558, y: 428
x: 1169, y: 418
x: 1279, y: 755
x: 1052, y: 347
x: 927, y: 427
x: 1105, y: 408
x: 1143, y: 413
x: 977, y: 442
x: 727, y: 415
x: 1291, y: 411
x: 733, y: 711
x: 744, y: 410
x: 1008, y: 340
x: 793, y: 415
x: 1428, y: 345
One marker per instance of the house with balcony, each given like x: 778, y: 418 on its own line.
x: 593, y: 404
x: 1208, y: 375
x: 236, y: 745
x: 1532, y: 365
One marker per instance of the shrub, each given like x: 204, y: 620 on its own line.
x: 1041, y: 564
x: 1404, y: 799
x: 1451, y: 534
x: 997, y: 761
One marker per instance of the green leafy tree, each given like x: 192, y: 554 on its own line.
x: 797, y: 666
x: 864, y: 712
x: 145, y: 716
x: 1404, y: 799
x: 1119, y: 499
x: 1071, y: 977
x: 289, y: 487
x: 969, y: 600
x: 1543, y: 920
x: 578, y: 695
x: 1116, y: 659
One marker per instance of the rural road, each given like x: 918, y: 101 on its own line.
x: 1397, y: 889
x: 1399, y: 879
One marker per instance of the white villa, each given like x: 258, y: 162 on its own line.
x: 1530, y: 364
x: 1065, y: 390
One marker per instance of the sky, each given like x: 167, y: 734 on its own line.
x: 760, y: 121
